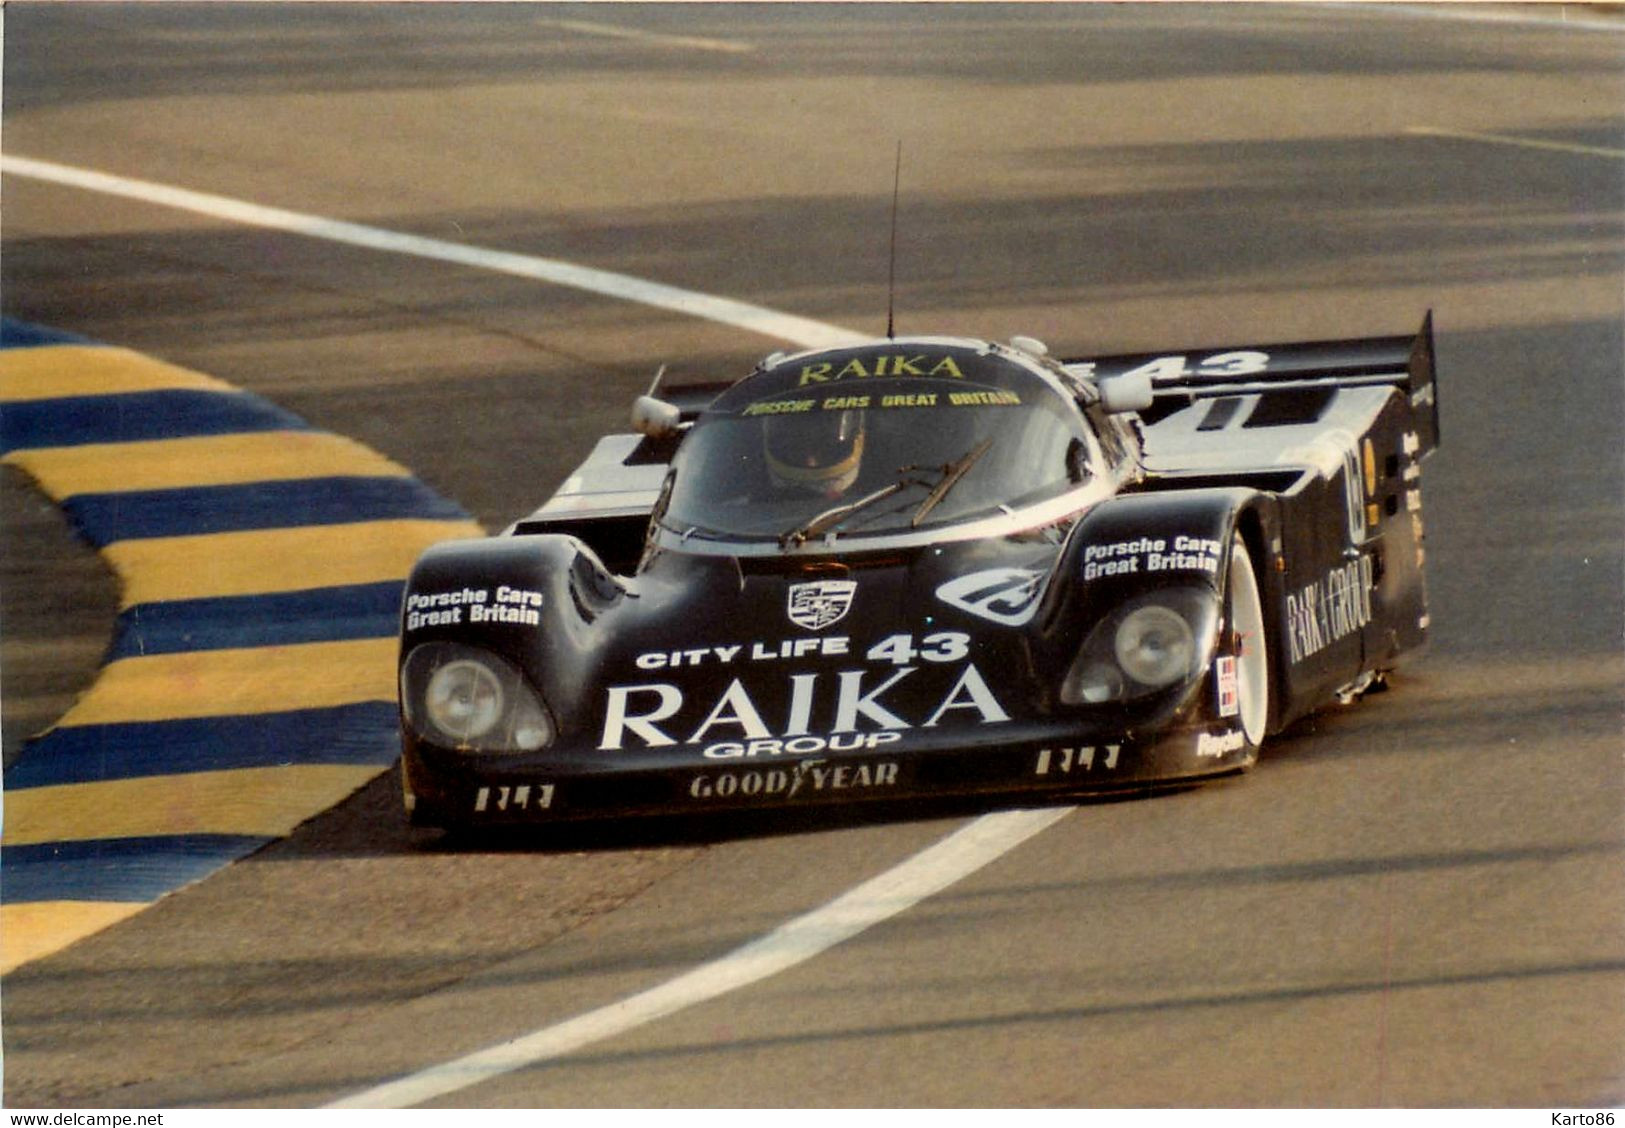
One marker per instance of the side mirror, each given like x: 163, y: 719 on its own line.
x: 655, y: 417
x: 1128, y: 392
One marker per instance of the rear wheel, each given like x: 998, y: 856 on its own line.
x: 1246, y: 641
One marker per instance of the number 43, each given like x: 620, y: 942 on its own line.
x: 899, y: 649
x: 1219, y: 366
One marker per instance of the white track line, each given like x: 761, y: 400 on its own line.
x: 725, y: 311
x: 1517, y: 142
x: 1556, y: 16
x: 881, y: 898
x: 650, y: 38
x: 876, y: 900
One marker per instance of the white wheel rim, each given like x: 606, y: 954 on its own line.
x: 1252, y: 658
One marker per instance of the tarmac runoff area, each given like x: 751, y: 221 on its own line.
x: 249, y: 683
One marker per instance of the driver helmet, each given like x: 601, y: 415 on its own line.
x: 818, y: 453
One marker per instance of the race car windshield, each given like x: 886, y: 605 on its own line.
x: 794, y: 465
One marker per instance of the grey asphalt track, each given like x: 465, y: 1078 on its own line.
x: 1419, y: 901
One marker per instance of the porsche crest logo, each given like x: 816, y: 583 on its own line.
x: 820, y: 604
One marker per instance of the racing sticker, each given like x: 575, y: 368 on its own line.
x: 889, y: 364
x: 1211, y: 746
x: 1229, y: 693
x: 1065, y: 761
x: 821, y: 603
x: 656, y: 713
x: 897, y: 649
x: 1329, y: 609
x: 799, y: 745
x: 1008, y: 596
x: 829, y: 646
x: 1171, y: 369
x: 806, y: 777
x: 980, y: 396
x: 520, y: 606
x: 520, y: 797
x: 779, y: 407
x: 1152, y: 554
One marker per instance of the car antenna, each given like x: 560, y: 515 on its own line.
x: 891, y: 269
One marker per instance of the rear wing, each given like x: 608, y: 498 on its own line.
x: 1404, y: 362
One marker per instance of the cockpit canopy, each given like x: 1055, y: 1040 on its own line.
x: 941, y: 432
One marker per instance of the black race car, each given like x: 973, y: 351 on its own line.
x: 926, y: 566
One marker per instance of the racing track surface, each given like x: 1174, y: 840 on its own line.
x: 1417, y: 901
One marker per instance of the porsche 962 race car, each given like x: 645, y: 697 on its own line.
x: 923, y: 566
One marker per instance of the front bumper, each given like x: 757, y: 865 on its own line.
x: 444, y: 789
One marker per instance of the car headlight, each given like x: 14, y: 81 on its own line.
x: 464, y: 700
x: 472, y: 700
x: 1154, y: 645
x: 1162, y: 639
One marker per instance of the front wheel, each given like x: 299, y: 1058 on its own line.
x: 1246, y: 641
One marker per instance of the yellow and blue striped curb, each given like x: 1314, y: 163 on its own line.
x: 249, y: 683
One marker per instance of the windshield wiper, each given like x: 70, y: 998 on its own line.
x: 833, y: 516
x: 951, y: 474
x: 685, y: 531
